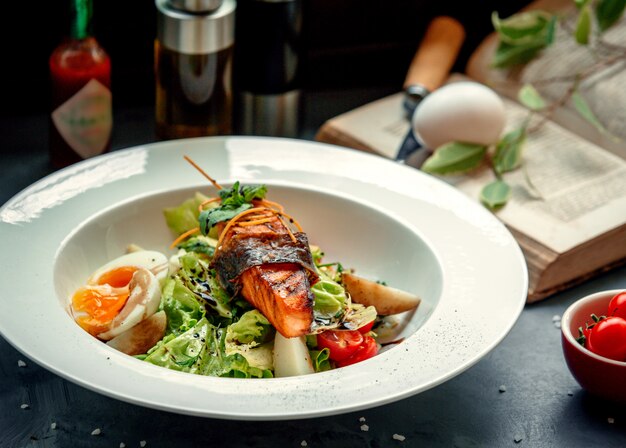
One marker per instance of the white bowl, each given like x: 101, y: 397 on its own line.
x: 386, y: 220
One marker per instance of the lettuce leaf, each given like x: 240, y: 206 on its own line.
x: 321, y: 360
x: 330, y: 297
x: 182, y: 308
x: 184, y: 217
x: 251, y: 327
x: 195, y: 274
x: 200, y: 351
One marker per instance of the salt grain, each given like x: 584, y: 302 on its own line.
x: 303, y: 443
x: 611, y: 420
x: 365, y: 428
x: 556, y: 318
x: 21, y: 363
x: 362, y: 419
x: 570, y: 393
x: 24, y: 406
x: 517, y: 439
x: 502, y: 389
x: 53, y: 425
x: 122, y: 445
x: 96, y: 432
x: 142, y: 443
x: 557, y: 324
x: 399, y: 437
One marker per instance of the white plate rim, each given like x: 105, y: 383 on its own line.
x: 357, y: 387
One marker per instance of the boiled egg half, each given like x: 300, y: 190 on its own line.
x: 120, y: 294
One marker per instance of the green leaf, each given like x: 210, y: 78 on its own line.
x: 582, y: 107
x: 508, y: 55
x: 455, y: 157
x: 583, y: 26
x: 521, y: 28
x: 522, y: 36
x: 495, y: 195
x: 530, y: 98
x: 608, y: 12
x: 233, y: 201
x: 509, y: 149
x: 551, y: 30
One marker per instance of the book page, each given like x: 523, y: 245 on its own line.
x: 380, y: 124
x: 577, y: 191
x: 565, y: 58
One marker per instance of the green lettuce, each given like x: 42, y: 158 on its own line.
x: 320, y: 359
x: 182, y: 308
x: 330, y: 297
x: 200, y: 351
x: 184, y: 217
x: 251, y: 327
x: 197, y: 277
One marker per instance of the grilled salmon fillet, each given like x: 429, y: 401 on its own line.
x: 271, y: 272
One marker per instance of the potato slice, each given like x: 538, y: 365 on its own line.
x: 291, y: 357
x: 142, y: 337
x: 385, y: 299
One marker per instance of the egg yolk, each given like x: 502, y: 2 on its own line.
x: 101, y: 302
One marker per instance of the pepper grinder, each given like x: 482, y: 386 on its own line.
x: 193, y: 58
x: 268, y: 66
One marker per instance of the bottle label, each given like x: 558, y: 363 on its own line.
x: 85, y: 120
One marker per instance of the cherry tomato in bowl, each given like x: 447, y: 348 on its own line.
x: 608, y: 338
x: 617, y: 305
x: 597, y: 374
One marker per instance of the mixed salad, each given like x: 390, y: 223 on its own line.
x: 244, y: 295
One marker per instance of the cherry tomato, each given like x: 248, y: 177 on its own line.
x: 341, y: 344
x: 365, y: 351
x: 366, y: 328
x: 608, y: 338
x: 617, y: 305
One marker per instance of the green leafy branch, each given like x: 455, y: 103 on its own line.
x: 522, y: 38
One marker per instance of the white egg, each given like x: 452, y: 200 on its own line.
x: 143, y: 302
x: 462, y: 111
x: 131, y: 284
x: 154, y: 261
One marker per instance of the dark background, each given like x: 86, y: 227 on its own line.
x: 348, y: 43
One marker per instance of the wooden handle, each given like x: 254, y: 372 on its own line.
x: 436, y: 54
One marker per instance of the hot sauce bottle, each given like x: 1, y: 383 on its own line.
x: 80, y: 72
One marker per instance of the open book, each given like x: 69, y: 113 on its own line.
x: 568, y: 204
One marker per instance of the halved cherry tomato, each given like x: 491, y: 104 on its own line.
x: 365, y: 351
x: 366, y: 328
x: 617, y: 305
x: 341, y: 344
x: 608, y: 338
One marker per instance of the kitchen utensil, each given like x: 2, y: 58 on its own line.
x: 428, y: 70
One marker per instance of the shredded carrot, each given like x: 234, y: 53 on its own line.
x: 234, y: 220
x: 183, y: 236
x: 261, y: 205
x: 255, y: 222
x: 291, y: 220
x: 271, y: 204
x: 195, y: 165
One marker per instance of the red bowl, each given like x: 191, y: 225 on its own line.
x: 598, y: 375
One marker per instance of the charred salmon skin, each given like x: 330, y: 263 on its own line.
x: 271, y: 268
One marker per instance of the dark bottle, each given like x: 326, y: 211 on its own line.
x: 193, y: 58
x: 268, y: 67
x: 80, y: 73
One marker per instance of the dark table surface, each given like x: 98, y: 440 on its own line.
x: 542, y: 405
